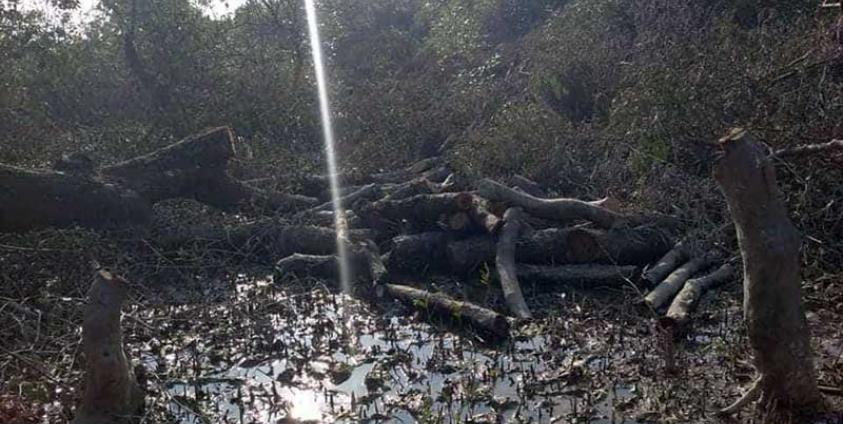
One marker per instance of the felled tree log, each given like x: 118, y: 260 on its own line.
x: 37, y: 199
x: 421, y: 209
x: 667, y: 264
x: 196, y: 168
x: 363, y: 260
x: 505, y: 264
x: 775, y: 318
x: 111, y: 395
x: 263, y: 240
x: 368, y: 192
x: 667, y: 289
x: 418, y: 253
x: 680, y: 309
x: 123, y: 194
x: 623, y: 246
x: 478, y: 317
x: 563, y: 210
x: 580, y: 276
x: 480, y: 215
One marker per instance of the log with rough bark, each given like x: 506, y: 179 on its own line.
x: 662, y: 294
x: 262, y: 241
x: 442, y: 305
x: 480, y: 214
x: 418, y: 253
x: 775, y: 317
x: 622, y: 246
x: 123, y: 194
x: 424, y: 208
x: 363, y: 260
x: 562, y: 209
x: 680, y: 309
x: 112, y: 394
x: 505, y: 264
x: 667, y: 264
x: 582, y: 276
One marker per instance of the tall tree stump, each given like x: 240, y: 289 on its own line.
x: 112, y: 394
x: 769, y: 244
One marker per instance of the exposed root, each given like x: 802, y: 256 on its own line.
x: 750, y: 396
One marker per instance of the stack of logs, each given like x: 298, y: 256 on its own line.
x: 423, y: 218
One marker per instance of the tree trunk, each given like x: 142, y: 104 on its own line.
x: 123, y: 194
x: 112, y: 395
x: 769, y: 243
x: 580, y: 276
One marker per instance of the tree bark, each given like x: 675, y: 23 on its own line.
x: 773, y: 310
x: 505, y: 264
x: 112, y: 395
x: 478, y: 317
x: 563, y: 210
x: 418, y: 253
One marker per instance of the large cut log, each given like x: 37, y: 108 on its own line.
x: 37, y: 199
x: 364, y: 263
x: 262, y: 241
x: 197, y: 168
x: 505, y: 264
x: 775, y: 318
x: 622, y: 246
x: 112, y: 394
x: 480, y: 215
x: 564, y: 210
x: 583, y: 276
x: 667, y: 264
x: 667, y: 289
x: 418, y: 253
x: 680, y: 309
x: 444, y: 306
x: 423, y: 210
x: 123, y: 194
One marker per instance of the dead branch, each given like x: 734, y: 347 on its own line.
x: 505, y: 263
x: 438, y: 303
x: 680, y: 309
x: 562, y: 209
x: 664, y: 292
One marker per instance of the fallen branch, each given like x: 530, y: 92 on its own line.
x: 667, y: 264
x: 809, y: 149
x: 680, y: 309
x: 564, y: 210
x: 667, y: 289
x: 480, y: 318
x: 505, y: 264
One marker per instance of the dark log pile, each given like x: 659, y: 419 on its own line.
x: 401, y: 224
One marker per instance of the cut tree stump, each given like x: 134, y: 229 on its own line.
x: 775, y: 318
x: 680, y: 309
x: 111, y: 394
x: 564, y: 210
x: 480, y: 318
x: 505, y: 264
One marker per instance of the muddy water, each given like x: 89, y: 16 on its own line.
x: 274, y: 355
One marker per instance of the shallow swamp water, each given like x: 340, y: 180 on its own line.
x: 257, y: 352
